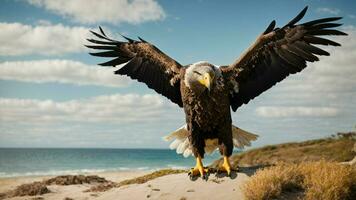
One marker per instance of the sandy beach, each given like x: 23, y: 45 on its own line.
x: 174, y: 186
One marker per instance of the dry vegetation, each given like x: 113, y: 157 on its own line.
x: 336, y: 148
x: 40, y: 187
x: 309, y: 180
x: 74, y: 179
x: 153, y: 175
x: 30, y: 189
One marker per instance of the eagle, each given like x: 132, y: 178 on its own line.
x: 208, y: 92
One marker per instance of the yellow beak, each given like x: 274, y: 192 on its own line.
x: 206, y: 80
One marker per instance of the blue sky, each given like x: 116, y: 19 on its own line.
x: 52, y: 94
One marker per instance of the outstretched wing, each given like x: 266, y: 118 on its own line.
x: 276, y: 53
x: 144, y: 62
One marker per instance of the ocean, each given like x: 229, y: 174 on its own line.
x: 16, y: 162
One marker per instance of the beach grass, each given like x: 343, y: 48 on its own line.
x: 336, y: 148
x: 151, y: 176
x: 307, y: 180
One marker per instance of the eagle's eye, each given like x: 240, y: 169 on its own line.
x: 197, y: 72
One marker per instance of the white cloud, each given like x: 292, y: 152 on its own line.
x: 296, y: 111
x: 331, y: 11
x: 110, y: 121
x: 110, y: 11
x: 61, y: 71
x: 114, y: 109
x: 20, y: 39
x: 43, y: 22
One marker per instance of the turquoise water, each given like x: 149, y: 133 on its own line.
x: 44, y: 161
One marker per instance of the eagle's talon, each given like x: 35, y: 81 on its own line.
x: 225, y: 167
x: 199, y: 170
x: 192, y: 178
x: 205, y: 177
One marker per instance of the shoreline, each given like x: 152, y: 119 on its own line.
x: 86, y: 172
x: 73, y: 172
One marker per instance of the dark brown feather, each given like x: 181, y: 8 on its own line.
x: 325, y: 32
x: 297, y: 18
x: 270, y: 27
x: 101, y: 36
x: 305, y: 55
x: 310, y: 48
x: 325, y: 25
x: 319, y: 21
x: 105, y: 54
x: 103, y: 42
x: 115, y: 62
x: 318, y: 40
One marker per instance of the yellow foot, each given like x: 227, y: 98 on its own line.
x: 226, y: 166
x: 199, y: 170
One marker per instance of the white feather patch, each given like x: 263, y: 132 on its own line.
x: 241, y: 139
x: 187, y: 153
x: 183, y: 146
x: 174, y: 144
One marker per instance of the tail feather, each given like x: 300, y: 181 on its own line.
x: 241, y: 139
x: 210, y: 145
x: 175, y: 144
x: 180, y: 134
x: 182, y: 147
x: 187, y: 152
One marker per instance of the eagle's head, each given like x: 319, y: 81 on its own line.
x: 201, y: 76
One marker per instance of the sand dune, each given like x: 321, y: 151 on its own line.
x: 178, y: 186
x: 175, y: 186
